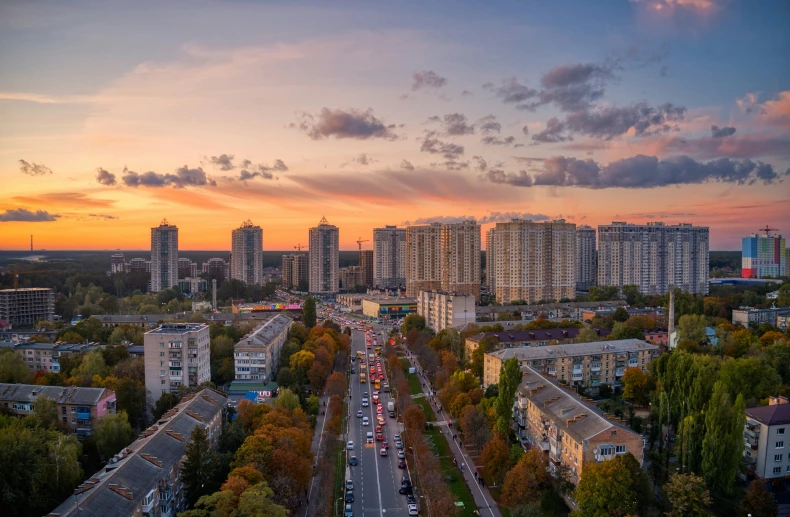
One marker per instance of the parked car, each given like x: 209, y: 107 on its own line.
x: 348, y: 511
x: 401, y: 464
x: 350, y: 445
x: 401, y: 454
x: 413, y: 509
x: 353, y: 461
x: 349, y: 496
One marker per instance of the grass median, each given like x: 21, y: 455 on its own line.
x: 451, y: 473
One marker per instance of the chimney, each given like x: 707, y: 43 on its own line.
x: 671, y: 315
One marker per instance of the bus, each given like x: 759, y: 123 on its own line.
x: 362, y: 378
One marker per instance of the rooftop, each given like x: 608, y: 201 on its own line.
x: 581, y: 421
x: 529, y: 353
x: 119, y: 488
x: 178, y: 328
x: 776, y: 414
x: 262, y: 335
x: 60, y: 394
x: 532, y: 335
x: 26, y: 290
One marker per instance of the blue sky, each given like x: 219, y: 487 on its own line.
x: 634, y: 87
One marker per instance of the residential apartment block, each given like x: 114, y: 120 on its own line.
x: 246, y: 258
x: 367, y: 266
x: 216, y: 268
x: 256, y: 356
x: 654, y: 257
x: 24, y: 307
x: 766, y: 438
x: 763, y: 256
x: 443, y: 310
x: 176, y: 354
x: 750, y: 316
x: 389, y: 257
x: 573, y: 434
x: 46, y: 356
x: 79, y: 409
x: 295, y: 270
x: 533, y: 261
x: 443, y: 257
x: 578, y: 364
x: 164, y: 256
x: 519, y: 338
x: 324, y: 277
x: 586, y: 270
x: 144, y: 479
x: 490, y: 263
x: 117, y: 263
x: 186, y: 268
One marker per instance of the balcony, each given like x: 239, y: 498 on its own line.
x: 633, y: 363
x: 175, y: 364
x: 619, y: 372
x: 751, y: 442
x: 578, y: 376
x: 84, y: 422
x: 174, y: 345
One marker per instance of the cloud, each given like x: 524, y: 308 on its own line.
x: 511, y: 91
x: 500, y: 177
x: 552, y: 133
x: 642, y: 172
x: 480, y: 163
x: 103, y: 216
x: 406, y: 165
x: 777, y: 111
x: 721, y: 132
x: 431, y: 144
x: 525, y: 130
x: 104, y: 177
x: 33, y: 169
x: 261, y: 171
x: 427, y: 79
x: 361, y: 159
x: 669, y: 8
x: 453, y: 124
x: 64, y: 199
x: 451, y: 165
x: 748, y: 102
x: 506, y: 217
x: 356, y: 124
x: 27, y: 216
x: 735, y: 146
x: 183, y: 177
x: 466, y: 93
x: 568, y: 75
x: 444, y: 219
x: 224, y: 162
x: 488, y: 124
x: 495, y: 140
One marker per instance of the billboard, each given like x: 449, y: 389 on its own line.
x: 268, y: 307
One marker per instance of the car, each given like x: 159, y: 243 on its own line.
x: 365, y: 395
x: 399, y: 444
x: 353, y: 461
x: 396, y: 437
x: 369, y: 437
x: 405, y: 481
x: 348, y: 511
x: 385, y: 444
x: 401, y: 454
x: 350, y: 445
x: 401, y: 464
x: 353, y: 370
x: 405, y: 490
x: 379, y: 437
x: 380, y: 420
x: 375, y: 399
x: 365, y: 403
x: 411, y: 499
x: 349, y: 496
x: 365, y: 421
x: 378, y: 429
x: 383, y: 452
x: 412, y: 509
x: 359, y: 414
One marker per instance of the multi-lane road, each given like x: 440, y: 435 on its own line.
x: 376, y: 478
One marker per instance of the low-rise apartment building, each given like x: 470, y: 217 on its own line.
x: 518, y: 338
x: 587, y: 365
x: 46, y: 356
x: 257, y: 356
x: 144, y: 479
x: 766, y: 440
x: 750, y: 316
x: 176, y: 354
x: 571, y: 433
x: 443, y: 310
x: 24, y: 307
x: 79, y: 409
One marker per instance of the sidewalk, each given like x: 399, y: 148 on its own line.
x: 315, y: 482
x: 485, y: 503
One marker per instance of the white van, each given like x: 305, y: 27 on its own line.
x: 369, y: 437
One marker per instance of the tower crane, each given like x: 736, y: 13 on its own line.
x: 767, y: 230
x: 17, y: 272
x: 299, y: 247
x: 360, y: 241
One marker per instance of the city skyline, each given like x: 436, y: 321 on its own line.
x: 375, y: 115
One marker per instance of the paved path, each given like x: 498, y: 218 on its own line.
x: 312, y: 498
x: 485, y: 503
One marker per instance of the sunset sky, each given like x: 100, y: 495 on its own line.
x: 115, y: 115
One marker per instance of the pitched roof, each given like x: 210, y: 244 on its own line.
x: 770, y: 415
x: 513, y: 336
x: 60, y: 394
x: 529, y: 353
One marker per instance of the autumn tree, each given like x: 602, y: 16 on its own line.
x: 496, y: 458
x: 475, y: 426
x: 634, y: 385
x: 487, y: 344
x: 758, y: 501
x: 286, y: 399
x: 336, y: 384
x: 526, y: 479
x: 688, y: 495
x: 587, y: 334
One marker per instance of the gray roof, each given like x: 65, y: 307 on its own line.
x: 482, y: 309
x: 514, y: 336
x: 529, y: 353
x: 263, y: 334
x: 60, y: 394
x: 565, y: 408
x: 178, y: 328
x: 776, y: 414
x: 135, y: 473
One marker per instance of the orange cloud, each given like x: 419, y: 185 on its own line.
x: 776, y: 112
x: 64, y: 200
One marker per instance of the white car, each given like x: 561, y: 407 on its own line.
x: 413, y: 509
x: 350, y: 445
x: 365, y: 403
x: 365, y: 421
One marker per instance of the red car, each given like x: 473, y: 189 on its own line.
x: 379, y: 437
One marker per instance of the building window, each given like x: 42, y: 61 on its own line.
x: 65, y: 420
x: 781, y: 430
x: 780, y: 445
x: 777, y: 470
x: 778, y: 457
x: 620, y: 449
x: 62, y: 410
x: 73, y: 409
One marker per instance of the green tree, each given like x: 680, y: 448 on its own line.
x: 758, y: 501
x: 623, y: 331
x: 113, y: 433
x: 13, y: 369
x: 721, y: 448
x: 166, y: 402
x: 614, y: 487
x: 286, y: 399
x: 412, y: 321
x: 200, y: 466
x: 92, y: 364
x: 688, y: 495
x: 130, y: 398
x: 632, y: 295
x: 45, y: 410
x: 509, y: 379
x: 692, y: 328
x: 63, y: 471
x: 587, y: 334
x: 257, y: 501
x: 308, y: 312
x: 72, y: 338
x: 620, y: 315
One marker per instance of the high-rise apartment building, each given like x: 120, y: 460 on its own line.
x: 186, y: 268
x: 366, y: 263
x: 443, y: 257
x: 533, y: 261
x: 351, y: 276
x: 117, y: 263
x: 246, y: 258
x: 654, y: 257
x: 295, y: 270
x: 460, y: 250
x: 490, y: 265
x: 389, y: 257
x: 763, y: 256
x: 24, y: 307
x: 324, y: 258
x: 443, y: 310
x: 164, y: 256
x: 586, y: 272
x: 216, y: 268
x: 176, y: 354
